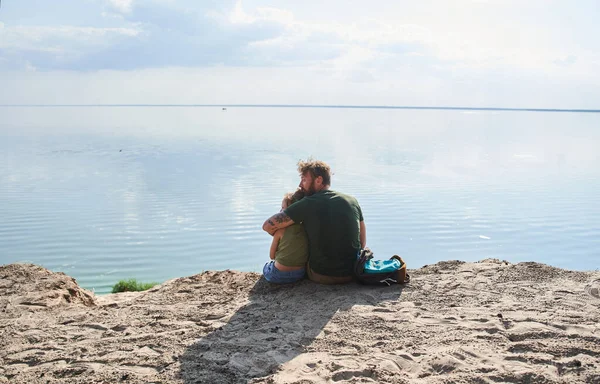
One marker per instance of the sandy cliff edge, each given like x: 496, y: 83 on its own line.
x: 483, y: 322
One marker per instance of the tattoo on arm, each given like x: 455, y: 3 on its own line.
x: 277, y: 221
x: 280, y: 218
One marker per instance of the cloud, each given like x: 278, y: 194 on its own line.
x: 429, y: 51
x: 56, y: 47
x: 38, y: 37
x: 159, y: 34
x: 154, y: 35
x: 239, y: 16
x: 566, y: 61
x: 123, y: 6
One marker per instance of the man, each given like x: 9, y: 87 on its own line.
x: 333, y: 222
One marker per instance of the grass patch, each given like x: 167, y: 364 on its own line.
x: 131, y: 285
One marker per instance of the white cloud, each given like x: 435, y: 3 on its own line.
x: 273, y: 36
x: 29, y: 67
x: 239, y: 16
x: 53, y: 38
x: 44, y: 47
x: 352, y: 58
x: 374, y: 32
x: 369, y: 31
x: 451, y: 40
x: 123, y: 6
x: 347, y: 47
x: 431, y: 51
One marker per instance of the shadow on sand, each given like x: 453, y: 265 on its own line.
x: 278, y: 323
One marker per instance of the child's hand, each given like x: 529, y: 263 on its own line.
x: 272, y: 257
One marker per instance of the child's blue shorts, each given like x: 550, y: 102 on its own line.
x: 274, y: 275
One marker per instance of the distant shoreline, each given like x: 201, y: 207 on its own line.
x: 399, y: 107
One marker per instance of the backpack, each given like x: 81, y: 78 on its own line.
x: 380, y: 272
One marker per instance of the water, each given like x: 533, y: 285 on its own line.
x: 155, y: 193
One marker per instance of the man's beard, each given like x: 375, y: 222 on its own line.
x: 311, y: 190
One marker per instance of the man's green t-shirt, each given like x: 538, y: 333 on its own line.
x: 332, y: 222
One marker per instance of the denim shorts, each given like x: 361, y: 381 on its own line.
x: 274, y: 275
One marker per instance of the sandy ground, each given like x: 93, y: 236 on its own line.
x: 456, y: 322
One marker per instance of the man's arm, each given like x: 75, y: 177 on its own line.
x: 277, y: 221
x: 363, y: 235
x: 276, y: 238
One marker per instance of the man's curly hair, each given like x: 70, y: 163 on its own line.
x: 316, y: 168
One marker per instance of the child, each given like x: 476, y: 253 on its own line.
x: 289, y: 250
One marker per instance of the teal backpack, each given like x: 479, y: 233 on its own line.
x: 380, y: 272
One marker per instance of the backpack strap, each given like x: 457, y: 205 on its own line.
x: 403, y: 276
x: 359, y: 267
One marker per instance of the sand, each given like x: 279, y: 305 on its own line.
x: 456, y: 322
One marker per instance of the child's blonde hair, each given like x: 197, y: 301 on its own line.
x: 292, y: 197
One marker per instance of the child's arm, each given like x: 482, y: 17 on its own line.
x: 276, y: 237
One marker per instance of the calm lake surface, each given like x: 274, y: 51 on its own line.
x: 105, y: 193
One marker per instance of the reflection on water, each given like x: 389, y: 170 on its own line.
x: 155, y: 193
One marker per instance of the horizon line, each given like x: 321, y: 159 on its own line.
x: 330, y: 106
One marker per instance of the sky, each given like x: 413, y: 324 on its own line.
x: 472, y: 53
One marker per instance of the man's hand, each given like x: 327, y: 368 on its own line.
x: 277, y: 221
